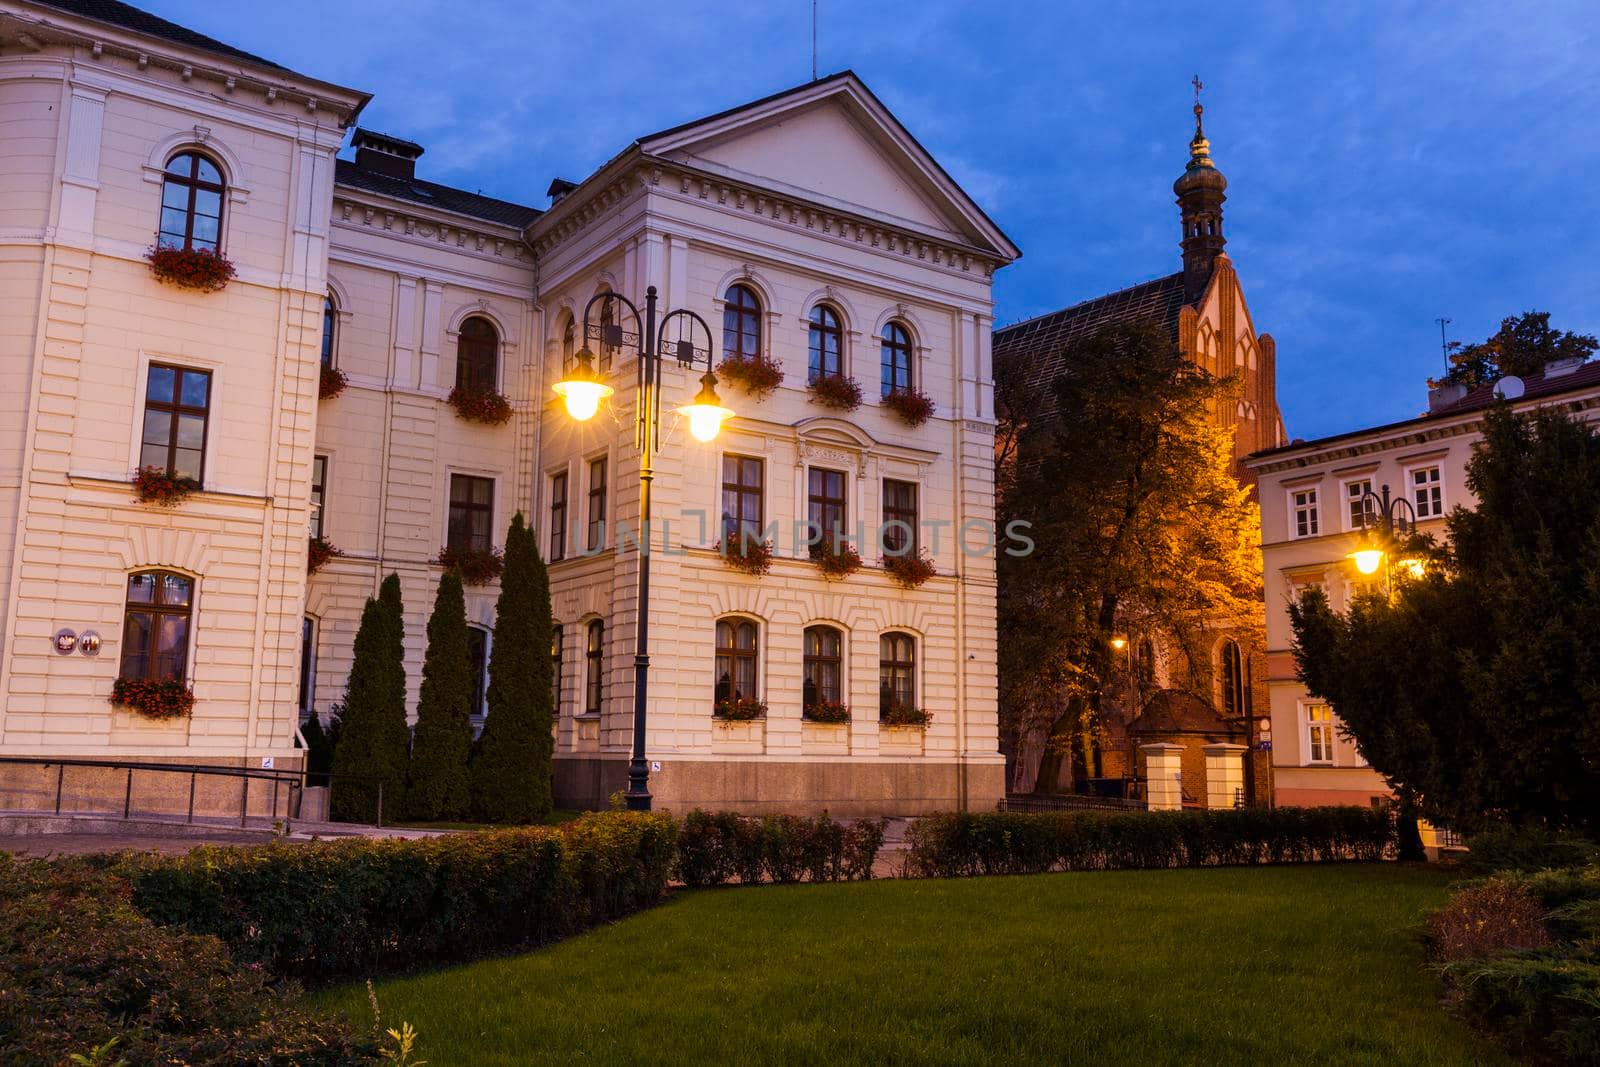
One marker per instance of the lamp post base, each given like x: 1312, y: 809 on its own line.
x: 637, y: 795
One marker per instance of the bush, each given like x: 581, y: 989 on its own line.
x: 79, y: 967
x: 1541, y: 1005
x: 329, y: 910
x: 1482, y: 920
x: 714, y: 848
x: 958, y: 844
x: 1514, y: 848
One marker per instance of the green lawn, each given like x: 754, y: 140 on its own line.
x: 1288, y: 964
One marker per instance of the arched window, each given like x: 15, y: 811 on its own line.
x: 1232, y: 669
x: 594, y: 661
x: 191, y: 203
x: 896, y: 359
x: 741, y: 323
x: 897, y: 672
x: 569, y: 344
x: 478, y: 668
x: 477, y: 356
x: 824, y: 661
x: 330, y: 329
x: 736, y: 660
x: 825, y: 353
x: 155, y: 625
x: 555, y: 669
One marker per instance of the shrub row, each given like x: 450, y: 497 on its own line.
x: 1520, y: 957
x: 360, y: 907
x: 81, y: 967
x: 958, y: 844
x: 714, y: 848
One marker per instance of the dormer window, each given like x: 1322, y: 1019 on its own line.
x: 191, y: 203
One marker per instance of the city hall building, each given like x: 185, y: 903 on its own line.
x: 376, y: 378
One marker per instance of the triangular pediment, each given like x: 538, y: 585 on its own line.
x: 834, y: 143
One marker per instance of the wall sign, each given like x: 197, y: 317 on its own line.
x: 89, y: 643
x: 66, y: 641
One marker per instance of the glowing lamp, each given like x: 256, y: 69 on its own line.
x: 706, y: 414
x: 1119, y: 642
x: 1368, y: 560
x: 582, y: 389
x: 1414, y: 568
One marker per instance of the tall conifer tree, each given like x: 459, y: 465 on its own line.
x: 374, y: 738
x: 437, y: 786
x: 511, y: 776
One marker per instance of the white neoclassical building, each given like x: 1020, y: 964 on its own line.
x: 809, y: 229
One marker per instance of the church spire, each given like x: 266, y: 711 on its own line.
x: 1200, y: 191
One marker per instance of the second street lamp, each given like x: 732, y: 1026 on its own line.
x: 1394, y: 518
x: 582, y: 391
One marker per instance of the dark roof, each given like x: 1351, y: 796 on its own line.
x: 432, y: 194
x: 1172, y: 711
x: 1535, y: 387
x: 384, y: 140
x: 1038, y: 345
x: 131, y: 18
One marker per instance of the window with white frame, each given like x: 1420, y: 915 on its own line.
x: 1319, y: 733
x: 1427, y: 491
x: 1357, y: 507
x: 1303, y: 517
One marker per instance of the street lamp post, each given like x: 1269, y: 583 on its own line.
x: 1392, y: 517
x: 582, y: 390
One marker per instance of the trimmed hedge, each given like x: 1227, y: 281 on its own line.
x: 80, y: 967
x: 357, y: 907
x: 716, y: 847
x: 1528, y: 848
x: 958, y: 844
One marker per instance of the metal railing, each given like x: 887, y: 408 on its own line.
x: 1068, y: 802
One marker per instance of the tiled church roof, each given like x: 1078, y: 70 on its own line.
x: 131, y: 18
x: 433, y: 194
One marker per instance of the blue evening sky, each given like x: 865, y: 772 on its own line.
x: 1388, y: 163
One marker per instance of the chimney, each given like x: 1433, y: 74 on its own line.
x: 1443, y: 396
x: 382, y: 154
x: 559, y: 188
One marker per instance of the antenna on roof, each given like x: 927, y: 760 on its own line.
x: 813, y: 40
x: 1444, y: 346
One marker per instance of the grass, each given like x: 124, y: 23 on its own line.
x: 1286, y: 964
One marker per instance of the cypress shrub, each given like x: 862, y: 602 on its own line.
x: 437, y: 787
x: 362, y: 906
x: 374, y: 739
x: 511, y: 774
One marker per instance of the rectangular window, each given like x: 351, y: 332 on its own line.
x: 471, y: 513
x: 1359, y: 508
x: 1427, y: 492
x: 319, y: 493
x: 900, y: 518
x: 742, y: 480
x: 597, y: 504
x: 177, y: 407
x: 1303, y: 506
x: 826, y: 509
x: 1319, y: 733
x: 558, y: 517
x: 308, y: 669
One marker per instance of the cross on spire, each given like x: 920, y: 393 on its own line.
x: 1198, y: 109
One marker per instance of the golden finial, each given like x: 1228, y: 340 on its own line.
x: 1199, y: 147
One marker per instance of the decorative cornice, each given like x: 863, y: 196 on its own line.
x: 402, y: 221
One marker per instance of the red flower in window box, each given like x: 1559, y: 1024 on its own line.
x: 904, y: 715
x: 836, y: 391
x: 190, y: 268
x: 156, y: 485
x: 741, y: 709
x: 478, y: 566
x: 914, y: 408
x: 910, y: 571
x: 480, y: 405
x: 836, y: 559
x: 829, y: 711
x: 321, y: 550
x: 153, y: 698
x: 332, y: 383
x: 746, y: 554
x: 756, y: 375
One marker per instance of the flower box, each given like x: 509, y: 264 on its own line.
x: 478, y: 566
x: 836, y: 391
x: 836, y: 559
x: 153, y: 698
x: 480, y: 405
x: 200, y: 269
x: 746, y: 554
x: 320, y: 551
x: 904, y: 715
x: 828, y: 711
x: 756, y: 375
x: 740, y: 709
x: 914, y: 408
x: 910, y: 571
x: 156, y: 485
x: 331, y: 384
